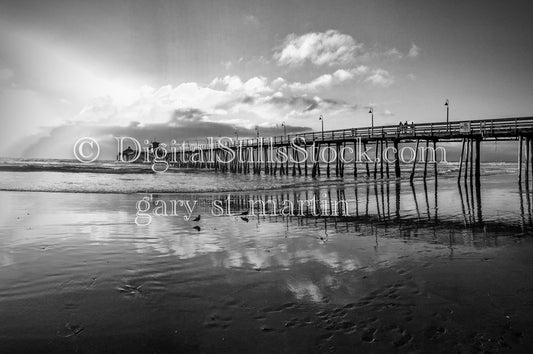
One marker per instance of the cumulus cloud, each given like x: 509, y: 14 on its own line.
x: 360, y: 70
x: 328, y: 80
x: 332, y: 48
x: 251, y: 20
x: 226, y: 100
x: 320, y: 48
x: 321, y: 82
x: 197, y: 110
x: 380, y: 77
x: 279, y: 83
x: 414, y: 51
x: 342, y: 75
x: 253, y: 86
x: 395, y: 53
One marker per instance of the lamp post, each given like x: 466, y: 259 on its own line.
x: 237, y: 134
x: 371, y: 111
x: 321, y: 119
x: 257, y: 130
x: 284, y: 129
x: 447, y: 104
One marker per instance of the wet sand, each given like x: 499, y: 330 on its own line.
x: 409, y: 270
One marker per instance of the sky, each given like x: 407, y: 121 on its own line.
x: 185, y: 70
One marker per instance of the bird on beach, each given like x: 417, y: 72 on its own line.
x: 197, y: 218
x: 244, y: 219
x: 197, y: 228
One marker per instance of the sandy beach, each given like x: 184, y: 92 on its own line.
x: 408, y: 270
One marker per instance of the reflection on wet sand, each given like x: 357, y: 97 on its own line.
x: 382, y: 266
x: 336, y: 212
x: 417, y: 207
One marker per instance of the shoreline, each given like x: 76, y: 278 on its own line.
x: 412, y: 272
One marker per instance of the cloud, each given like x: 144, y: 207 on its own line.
x: 255, y: 85
x: 304, y: 103
x: 394, y: 53
x: 188, y: 114
x: 414, y: 51
x: 342, y: 75
x: 332, y: 48
x: 192, y: 126
x: 360, y: 70
x: 227, y: 64
x: 251, y: 20
x: 226, y: 100
x: 380, y: 77
x: 192, y: 111
x: 321, y: 82
x: 279, y: 83
x: 326, y: 81
x: 320, y: 48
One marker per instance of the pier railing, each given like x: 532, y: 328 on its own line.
x: 489, y: 128
x: 469, y: 132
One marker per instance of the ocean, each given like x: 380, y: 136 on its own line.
x: 112, y: 257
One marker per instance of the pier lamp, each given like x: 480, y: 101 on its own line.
x: 284, y: 129
x: 257, y: 130
x: 237, y: 134
x: 447, y: 105
x: 321, y: 119
x: 371, y: 111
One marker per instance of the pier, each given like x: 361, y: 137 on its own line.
x: 262, y: 154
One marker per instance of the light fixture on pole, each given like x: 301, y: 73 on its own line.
x: 371, y: 111
x: 321, y: 119
x: 447, y: 104
x: 257, y: 130
x: 284, y: 129
x: 237, y: 134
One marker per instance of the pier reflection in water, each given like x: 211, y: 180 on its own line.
x: 374, y: 256
x: 378, y: 208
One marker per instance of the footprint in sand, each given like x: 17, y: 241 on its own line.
x: 130, y: 290
x: 73, y: 329
x: 368, y: 335
x: 218, y: 321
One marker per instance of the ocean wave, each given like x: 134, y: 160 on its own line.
x: 68, y: 176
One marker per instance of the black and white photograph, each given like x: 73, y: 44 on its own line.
x: 253, y: 176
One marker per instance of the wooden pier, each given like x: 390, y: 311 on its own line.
x: 324, y: 149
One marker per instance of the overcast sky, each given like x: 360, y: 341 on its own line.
x: 192, y: 68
